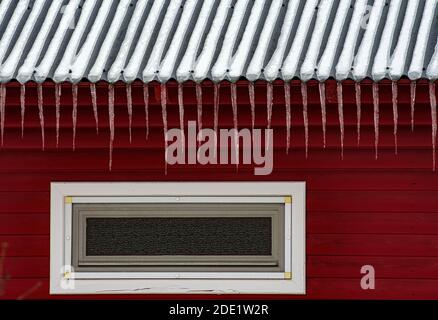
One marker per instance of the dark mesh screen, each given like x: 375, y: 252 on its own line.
x: 178, y: 236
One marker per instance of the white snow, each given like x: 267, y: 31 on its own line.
x: 97, y: 70
x: 310, y: 62
x: 8, y: 69
x: 345, y: 62
x: 216, y: 40
x: 222, y: 65
x: 205, y: 59
x: 4, y: 6
x: 82, y: 60
x: 43, y: 69
x: 383, y: 55
x: 188, y: 61
x: 398, y: 62
x: 325, y: 65
x: 153, y: 64
x: 62, y: 72
x: 26, y: 70
x: 290, y: 64
x: 432, y: 69
x: 116, y: 69
x: 133, y: 68
x: 273, y: 68
x: 363, y: 58
x: 12, y: 26
x: 239, y: 59
x: 168, y: 64
x: 417, y: 64
x: 256, y: 65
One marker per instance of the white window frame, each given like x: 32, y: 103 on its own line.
x: 63, y: 280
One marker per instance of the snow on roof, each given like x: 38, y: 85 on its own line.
x: 72, y: 40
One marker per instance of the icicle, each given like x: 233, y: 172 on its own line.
x: 181, y: 105
x: 129, y: 100
x: 341, y: 115
x: 251, y: 92
x: 234, y: 106
x: 288, y: 114
x: 164, y: 111
x: 75, y: 112
x: 111, y: 122
x: 432, y: 93
x: 305, y: 117
x: 269, y: 98
x: 358, y: 93
x: 164, y: 106
x: 216, y: 87
x: 323, y: 111
x: 2, y: 109
x: 41, y: 112
x: 376, y: 116
x: 146, y: 107
x: 23, y: 107
x: 181, y: 113
x: 57, y: 110
x: 199, y: 104
x: 395, y: 113
x: 94, y: 103
x: 269, y: 103
x: 413, y: 94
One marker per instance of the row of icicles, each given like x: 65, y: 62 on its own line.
x: 375, y: 90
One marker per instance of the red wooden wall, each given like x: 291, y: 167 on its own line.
x: 360, y: 210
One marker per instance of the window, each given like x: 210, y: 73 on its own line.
x: 177, y: 238
x: 188, y: 236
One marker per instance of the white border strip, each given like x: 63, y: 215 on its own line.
x: 182, y: 199
x: 179, y: 285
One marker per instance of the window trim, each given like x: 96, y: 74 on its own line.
x: 279, y: 255
x: 289, y: 282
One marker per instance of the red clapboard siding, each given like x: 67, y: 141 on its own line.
x: 26, y: 267
x: 88, y: 140
x: 131, y: 159
x: 26, y: 245
x: 318, y: 244
x: 360, y: 210
x: 389, y: 267
x: 317, y: 288
x: 318, y: 267
x: 27, y: 223
x: 316, y: 180
x: 317, y: 222
x: 316, y: 201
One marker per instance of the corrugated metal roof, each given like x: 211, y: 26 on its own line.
x: 69, y: 40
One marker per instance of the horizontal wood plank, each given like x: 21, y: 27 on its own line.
x: 317, y: 288
x: 317, y: 267
x: 418, y: 223
x: 86, y: 139
x: 143, y: 159
x: 341, y: 201
x: 317, y: 244
x: 16, y: 181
